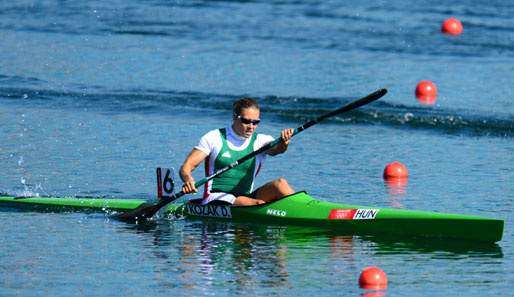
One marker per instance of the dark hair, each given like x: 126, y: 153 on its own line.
x: 243, y: 103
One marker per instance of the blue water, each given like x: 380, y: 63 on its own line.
x: 95, y: 94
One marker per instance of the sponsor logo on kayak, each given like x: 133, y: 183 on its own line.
x: 218, y: 211
x: 276, y: 212
x: 353, y: 214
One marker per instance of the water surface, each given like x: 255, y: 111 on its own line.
x: 95, y: 95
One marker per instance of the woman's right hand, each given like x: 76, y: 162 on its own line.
x: 189, y: 186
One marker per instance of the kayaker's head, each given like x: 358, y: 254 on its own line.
x: 246, y: 116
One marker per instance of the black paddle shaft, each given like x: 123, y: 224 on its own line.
x: 146, y: 211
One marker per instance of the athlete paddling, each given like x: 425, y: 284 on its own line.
x: 219, y: 148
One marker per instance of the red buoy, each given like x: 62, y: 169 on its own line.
x: 395, y: 169
x: 373, y: 278
x: 452, y: 26
x: 426, y: 91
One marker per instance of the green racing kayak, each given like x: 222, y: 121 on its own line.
x: 301, y: 210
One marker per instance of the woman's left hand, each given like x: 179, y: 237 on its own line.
x: 286, y: 135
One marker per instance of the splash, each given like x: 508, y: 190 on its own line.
x: 29, y: 190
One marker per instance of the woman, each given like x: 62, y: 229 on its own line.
x: 221, y: 147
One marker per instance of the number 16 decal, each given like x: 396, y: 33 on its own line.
x: 165, y: 184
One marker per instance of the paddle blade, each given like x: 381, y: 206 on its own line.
x: 141, y: 214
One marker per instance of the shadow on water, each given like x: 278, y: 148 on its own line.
x: 453, y: 248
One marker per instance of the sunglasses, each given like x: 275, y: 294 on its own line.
x: 247, y: 121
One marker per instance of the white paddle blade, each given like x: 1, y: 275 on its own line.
x: 165, y: 182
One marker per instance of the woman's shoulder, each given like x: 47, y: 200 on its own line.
x: 209, y: 140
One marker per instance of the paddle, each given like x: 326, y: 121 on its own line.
x: 146, y: 211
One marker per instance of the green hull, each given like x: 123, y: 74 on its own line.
x: 300, y: 209
x: 60, y: 204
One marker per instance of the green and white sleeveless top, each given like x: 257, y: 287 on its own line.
x: 223, y: 147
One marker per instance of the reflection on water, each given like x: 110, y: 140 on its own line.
x: 374, y: 294
x: 244, y: 257
x: 396, y: 188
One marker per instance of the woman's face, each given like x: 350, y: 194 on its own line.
x: 242, y: 125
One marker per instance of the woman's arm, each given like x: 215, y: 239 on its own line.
x: 192, y: 161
